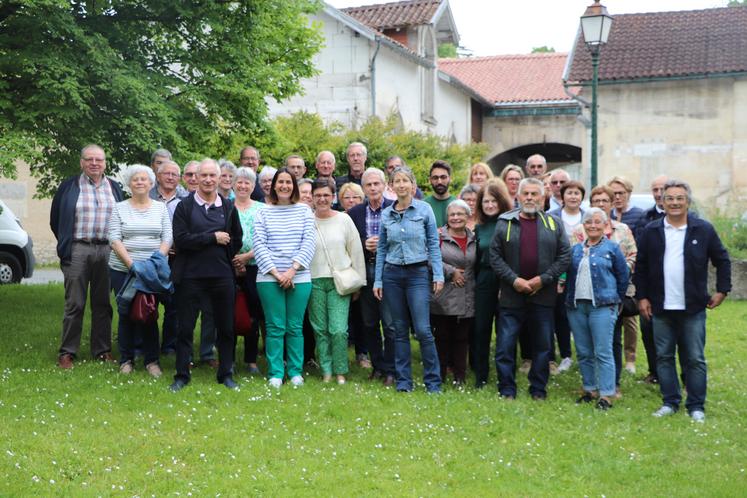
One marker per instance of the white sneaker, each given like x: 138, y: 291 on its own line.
x: 697, y: 416
x: 526, y: 365
x: 553, y: 368
x: 630, y: 367
x: 297, y: 381
x: 664, y: 411
x: 565, y: 364
x: 275, y: 382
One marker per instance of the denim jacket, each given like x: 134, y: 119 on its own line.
x: 609, y: 273
x: 408, y: 238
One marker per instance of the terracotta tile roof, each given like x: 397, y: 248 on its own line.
x: 511, y: 78
x: 666, y: 44
x: 395, y: 14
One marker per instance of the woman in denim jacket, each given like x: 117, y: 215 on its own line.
x: 597, y: 279
x: 408, y: 244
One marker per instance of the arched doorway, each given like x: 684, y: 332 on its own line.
x: 558, y: 155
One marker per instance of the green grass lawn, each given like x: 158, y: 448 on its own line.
x: 92, y: 431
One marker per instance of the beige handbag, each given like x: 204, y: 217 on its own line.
x: 347, y: 281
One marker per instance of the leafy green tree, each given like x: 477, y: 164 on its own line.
x: 447, y: 50
x: 134, y: 75
x: 544, y: 49
x: 737, y: 3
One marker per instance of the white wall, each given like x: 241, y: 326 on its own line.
x: 453, y: 113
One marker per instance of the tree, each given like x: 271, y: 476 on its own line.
x: 447, y: 50
x: 737, y: 3
x: 135, y: 75
x: 543, y: 50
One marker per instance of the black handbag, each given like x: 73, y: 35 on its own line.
x: 629, y: 306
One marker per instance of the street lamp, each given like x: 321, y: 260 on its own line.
x: 595, y: 24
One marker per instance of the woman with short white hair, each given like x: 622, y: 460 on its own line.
x: 138, y: 227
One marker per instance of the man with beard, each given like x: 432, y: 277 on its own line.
x: 528, y: 253
x: 440, y: 178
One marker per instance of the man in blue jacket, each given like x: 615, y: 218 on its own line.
x: 79, y: 219
x: 671, y: 280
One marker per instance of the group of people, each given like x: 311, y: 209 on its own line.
x: 367, y: 258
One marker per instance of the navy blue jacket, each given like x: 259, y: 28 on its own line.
x: 702, y: 243
x: 62, y: 214
x: 358, y: 215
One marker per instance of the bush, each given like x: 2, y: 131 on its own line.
x: 733, y: 233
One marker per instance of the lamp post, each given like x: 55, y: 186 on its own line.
x: 595, y: 24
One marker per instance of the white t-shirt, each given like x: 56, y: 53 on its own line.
x: 674, y: 267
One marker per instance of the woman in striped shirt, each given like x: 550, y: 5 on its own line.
x: 138, y: 227
x: 284, y: 243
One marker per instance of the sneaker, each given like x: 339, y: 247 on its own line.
x: 651, y: 379
x: 630, y: 367
x: 275, y: 382
x: 341, y: 379
x: 252, y: 369
x: 363, y: 361
x: 618, y: 393
x: 604, y: 404
x: 664, y: 411
x: 526, y: 365
x: 586, y: 398
x: 297, y: 381
x: 154, y: 369
x: 565, y: 364
x: 327, y: 378
x: 697, y: 416
x: 177, y: 386
x: 230, y: 383
x: 126, y: 368
x: 554, y: 368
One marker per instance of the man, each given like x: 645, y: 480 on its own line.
x: 325, y: 164
x: 655, y: 212
x: 367, y: 219
x: 167, y: 190
x: 558, y: 179
x: 189, y: 177
x: 249, y: 157
x: 528, y: 253
x: 440, y: 178
x: 356, y: 155
x: 536, y: 166
x: 296, y: 166
x: 207, y: 234
x: 159, y: 158
x: 671, y: 280
x: 79, y: 219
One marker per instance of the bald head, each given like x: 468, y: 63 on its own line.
x: 657, y: 189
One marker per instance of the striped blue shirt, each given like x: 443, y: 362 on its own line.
x: 284, y: 234
x: 141, y: 231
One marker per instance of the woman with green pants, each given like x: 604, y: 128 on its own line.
x: 284, y: 245
x: 492, y: 200
x: 338, y: 244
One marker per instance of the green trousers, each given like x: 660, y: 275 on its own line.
x: 284, y: 310
x: 328, y: 314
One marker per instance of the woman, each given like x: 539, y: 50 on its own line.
x: 597, y: 279
x: 512, y: 176
x: 138, y: 227
x: 453, y: 310
x: 338, y: 244
x: 570, y: 214
x: 469, y: 195
x: 244, y: 262
x: 284, y: 244
x: 265, y: 180
x: 350, y: 195
x: 225, y: 183
x: 408, y: 242
x: 479, y: 174
x: 601, y: 197
x: 492, y: 201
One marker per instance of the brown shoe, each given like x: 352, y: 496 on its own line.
x: 154, y: 369
x: 65, y: 361
x: 106, y: 357
x: 389, y: 381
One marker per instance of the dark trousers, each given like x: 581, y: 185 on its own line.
x: 562, y: 330
x: 525, y: 343
x: 486, y: 312
x: 647, y: 336
x: 251, y: 341
x: 309, y: 339
x: 128, y: 330
x: 373, y: 317
x: 452, y: 343
x: 355, y: 328
x: 220, y: 294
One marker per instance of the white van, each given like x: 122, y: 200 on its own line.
x: 16, y: 248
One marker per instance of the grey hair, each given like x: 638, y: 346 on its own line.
x: 357, y: 144
x: 318, y: 156
x: 405, y: 171
x: 294, y: 156
x: 459, y: 203
x: 589, y: 214
x: 559, y: 171
x: 392, y: 158
x: 532, y: 181
x: 469, y: 189
x: 211, y: 161
x: 245, y: 174
x: 192, y: 163
x: 226, y: 164
x: 90, y: 147
x: 304, y: 181
x: 373, y: 171
x: 134, y: 170
x: 160, y: 153
x: 674, y: 183
x: 168, y: 163
x: 267, y: 171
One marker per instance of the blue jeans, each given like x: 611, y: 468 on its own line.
x: 540, y: 322
x: 592, y: 330
x: 688, y: 330
x: 407, y: 294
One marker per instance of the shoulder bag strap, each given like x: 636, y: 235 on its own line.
x: 324, y: 247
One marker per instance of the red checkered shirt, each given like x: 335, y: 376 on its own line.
x: 93, y: 209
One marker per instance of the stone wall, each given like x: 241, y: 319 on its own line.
x: 738, y: 280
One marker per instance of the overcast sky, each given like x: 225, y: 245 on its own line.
x: 492, y: 27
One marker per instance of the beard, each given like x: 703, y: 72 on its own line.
x: 532, y: 210
x: 440, y: 189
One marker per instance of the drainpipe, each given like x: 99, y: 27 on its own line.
x: 372, y: 69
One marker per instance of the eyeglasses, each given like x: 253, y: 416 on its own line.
x: 440, y: 177
x: 173, y: 175
x: 190, y: 175
x: 600, y: 201
x: 619, y: 194
x: 675, y: 198
x: 558, y: 182
x: 94, y: 159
